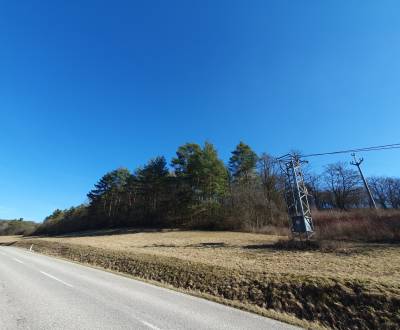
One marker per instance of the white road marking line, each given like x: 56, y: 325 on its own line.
x: 2, y: 253
x: 56, y: 279
x: 151, y: 326
x: 17, y: 260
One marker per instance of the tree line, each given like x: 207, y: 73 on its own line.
x: 198, y: 191
x: 17, y: 227
x: 341, y: 187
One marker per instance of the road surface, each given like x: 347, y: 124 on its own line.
x: 40, y: 292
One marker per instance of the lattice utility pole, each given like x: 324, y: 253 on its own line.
x: 296, y: 197
x: 357, y: 163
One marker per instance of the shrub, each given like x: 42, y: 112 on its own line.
x: 361, y: 224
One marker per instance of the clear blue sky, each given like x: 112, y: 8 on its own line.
x: 88, y: 86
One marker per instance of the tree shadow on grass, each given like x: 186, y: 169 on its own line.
x: 269, y: 246
x: 336, y: 247
x: 8, y: 243
x: 108, y: 232
x: 199, y: 245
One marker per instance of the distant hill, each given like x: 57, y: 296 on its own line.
x: 17, y: 227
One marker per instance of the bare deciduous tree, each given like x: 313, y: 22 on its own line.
x: 379, y: 190
x: 343, y: 184
x: 386, y: 191
x: 315, y: 189
x: 393, y: 192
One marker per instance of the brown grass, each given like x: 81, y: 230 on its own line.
x: 243, y: 251
x: 354, y: 285
x: 8, y: 240
x: 362, y: 225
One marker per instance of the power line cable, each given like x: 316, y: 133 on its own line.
x: 375, y: 148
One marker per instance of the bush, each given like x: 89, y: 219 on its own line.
x: 362, y: 224
x: 17, y: 227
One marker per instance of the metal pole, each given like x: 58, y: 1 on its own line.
x: 296, y: 197
x: 357, y: 163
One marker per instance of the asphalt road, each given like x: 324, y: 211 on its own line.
x: 40, y: 292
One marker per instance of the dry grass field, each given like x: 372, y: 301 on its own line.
x: 255, y: 252
x: 6, y: 240
x: 339, y: 285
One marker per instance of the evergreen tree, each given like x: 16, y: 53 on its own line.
x: 107, y: 197
x: 242, y: 163
x: 213, y: 176
x: 187, y: 161
x: 202, y: 170
x: 152, y: 186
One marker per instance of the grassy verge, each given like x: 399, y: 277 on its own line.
x: 9, y: 240
x: 253, y: 272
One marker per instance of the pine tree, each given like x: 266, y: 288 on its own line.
x: 242, y: 163
x: 202, y: 170
x: 152, y: 183
x: 107, y: 196
x: 213, y: 174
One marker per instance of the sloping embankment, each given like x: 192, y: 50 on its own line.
x: 335, y: 303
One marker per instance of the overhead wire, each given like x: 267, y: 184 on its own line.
x: 366, y: 149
